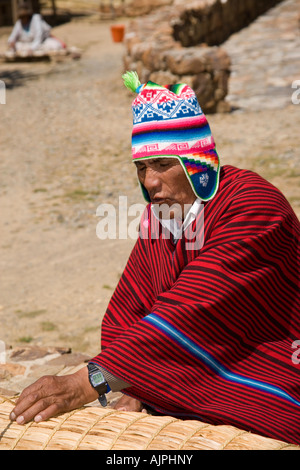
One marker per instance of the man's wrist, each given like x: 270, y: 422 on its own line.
x: 88, y: 391
x: 115, y: 384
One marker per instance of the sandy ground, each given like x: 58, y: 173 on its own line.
x: 65, y: 149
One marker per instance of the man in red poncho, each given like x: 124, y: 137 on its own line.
x: 205, y: 316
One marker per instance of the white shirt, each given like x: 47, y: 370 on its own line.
x: 175, y: 226
x: 36, y: 33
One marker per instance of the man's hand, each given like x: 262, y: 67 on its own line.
x: 51, y: 395
x: 126, y: 403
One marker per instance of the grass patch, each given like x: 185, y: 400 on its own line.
x: 293, y: 173
x: 48, y: 326
x: 25, y: 339
x: 91, y: 329
x: 81, y: 194
x: 40, y: 190
x: 294, y: 200
x: 76, y: 342
x: 77, y: 194
x: 32, y: 314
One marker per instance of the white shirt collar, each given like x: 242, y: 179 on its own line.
x: 177, y: 227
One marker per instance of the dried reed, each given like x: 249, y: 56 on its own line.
x: 97, y: 428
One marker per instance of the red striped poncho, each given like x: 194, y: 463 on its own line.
x: 211, y: 333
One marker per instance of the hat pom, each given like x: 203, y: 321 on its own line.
x: 131, y: 81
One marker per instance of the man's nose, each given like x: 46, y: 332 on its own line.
x: 151, y: 180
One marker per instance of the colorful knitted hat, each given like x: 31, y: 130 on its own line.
x: 168, y: 122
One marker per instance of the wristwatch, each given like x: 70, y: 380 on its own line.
x: 97, y: 380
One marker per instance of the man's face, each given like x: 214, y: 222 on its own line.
x: 166, y: 183
x: 25, y: 19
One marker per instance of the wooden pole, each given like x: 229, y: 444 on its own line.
x: 54, y: 7
x: 14, y: 9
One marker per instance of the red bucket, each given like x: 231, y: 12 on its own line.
x: 117, y: 32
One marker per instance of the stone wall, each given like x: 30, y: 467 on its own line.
x: 212, y: 22
x: 180, y: 43
x: 144, y: 7
x: 73, y: 6
x: 153, y: 52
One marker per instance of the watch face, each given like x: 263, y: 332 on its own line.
x: 97, y: 379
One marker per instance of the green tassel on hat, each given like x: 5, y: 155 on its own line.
x: 131, y: 81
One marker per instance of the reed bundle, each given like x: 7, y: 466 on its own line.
x: 97, y: 428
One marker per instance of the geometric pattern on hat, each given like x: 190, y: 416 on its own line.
x: 168, y: 121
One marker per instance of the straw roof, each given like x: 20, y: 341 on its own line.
x: 97, y: 428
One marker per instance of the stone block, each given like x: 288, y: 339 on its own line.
x: 189, y: 61
x: 30, y: 353
x: 164, y: 77
x: 10, y: 370
x: 152, y: 57
x: 205, y: 91
x: 26, y: 364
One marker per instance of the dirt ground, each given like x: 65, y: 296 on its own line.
x: 65, y: 149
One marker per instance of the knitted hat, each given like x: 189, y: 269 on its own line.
x: 168, y: 122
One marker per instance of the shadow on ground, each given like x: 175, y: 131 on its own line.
x: 16, y: 78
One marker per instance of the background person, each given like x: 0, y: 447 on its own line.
x: 31, y: 34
